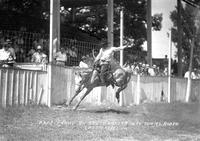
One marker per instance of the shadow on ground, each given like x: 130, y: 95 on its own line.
x: 111, y: 111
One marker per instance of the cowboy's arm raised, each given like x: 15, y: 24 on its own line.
x: 119, y: 48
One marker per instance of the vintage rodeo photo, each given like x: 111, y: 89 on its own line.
x: 99, y: 70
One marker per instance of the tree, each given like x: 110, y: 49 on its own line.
x: 188, y: 16
x: 34, y: 16
x: 31, y: 14
x: 93, y: 19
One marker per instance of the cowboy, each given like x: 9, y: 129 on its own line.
x: 105, y: 58
x: 61, y: 57
x: 39, y: 56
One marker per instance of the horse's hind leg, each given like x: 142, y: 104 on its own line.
x: 85, y: 94
x: 119, y: 90
x: 79, y: 89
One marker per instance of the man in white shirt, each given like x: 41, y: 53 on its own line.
x: 5, y: 54
x: 61, y: 57
x: 106, y: 59
x: 151, y: 70
x: 39, y: 56
x: 11, y: 49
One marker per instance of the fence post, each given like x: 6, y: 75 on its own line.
x: 169, y: 68
x: 1, y: 91
x: 138, y: 90
x: 22, y: 94
x: 121, y: 97
x: 99, y: 96
x: 4, y: 94
x: 11, y: 89
x: 35, y: 81
x: 27, y: 89
x: 189, y: 83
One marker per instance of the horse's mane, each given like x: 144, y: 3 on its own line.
x: 84, y: 74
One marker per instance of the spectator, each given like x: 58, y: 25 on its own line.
x: 73, y: 56
x: 39, y: 56
x: 165, y: 62
x: 10, y: 49
x: 30, y: 54
x: 20, y: 40
x: 19, y: 51
x: 1, y: 39
x: 151, y: 71
x: 83, y: 63
x: 73, y: 52
x: 61, y: 57
x: 187, y: 75
x: 5, y: 55
x: 175, y: 68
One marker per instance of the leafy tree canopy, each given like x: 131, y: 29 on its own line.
x: 31, y: 14
x: 190, y: 25
x: 34, y: 16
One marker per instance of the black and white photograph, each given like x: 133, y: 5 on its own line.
x: 99, y: 70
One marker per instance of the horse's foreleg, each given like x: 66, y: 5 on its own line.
x: 78, y: 90
x: 81, y: 99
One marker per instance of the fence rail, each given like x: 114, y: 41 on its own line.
x: 22, y: 87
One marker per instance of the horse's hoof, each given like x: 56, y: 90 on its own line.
x: 74, y: 109
x: 66, y: 104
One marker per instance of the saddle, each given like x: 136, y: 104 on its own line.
x: 108, y: 75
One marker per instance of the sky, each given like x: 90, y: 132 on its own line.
x: 160, y: 41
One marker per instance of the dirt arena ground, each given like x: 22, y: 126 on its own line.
x: 146, y: 122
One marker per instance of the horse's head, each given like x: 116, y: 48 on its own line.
x: 82, y: 75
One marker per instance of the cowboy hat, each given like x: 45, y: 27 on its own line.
x: 39, y: 47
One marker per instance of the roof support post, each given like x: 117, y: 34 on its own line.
x: 54, y: 40
x: 180, y: 32
x: 149, y: 33
x: 110, y: 22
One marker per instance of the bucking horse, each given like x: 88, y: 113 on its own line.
x: 116, y: 76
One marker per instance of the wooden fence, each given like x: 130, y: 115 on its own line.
x: 151, y: 89
x: 22, y: 87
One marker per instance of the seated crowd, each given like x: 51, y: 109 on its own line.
x: 145, y: 70
x: 11, y: 52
